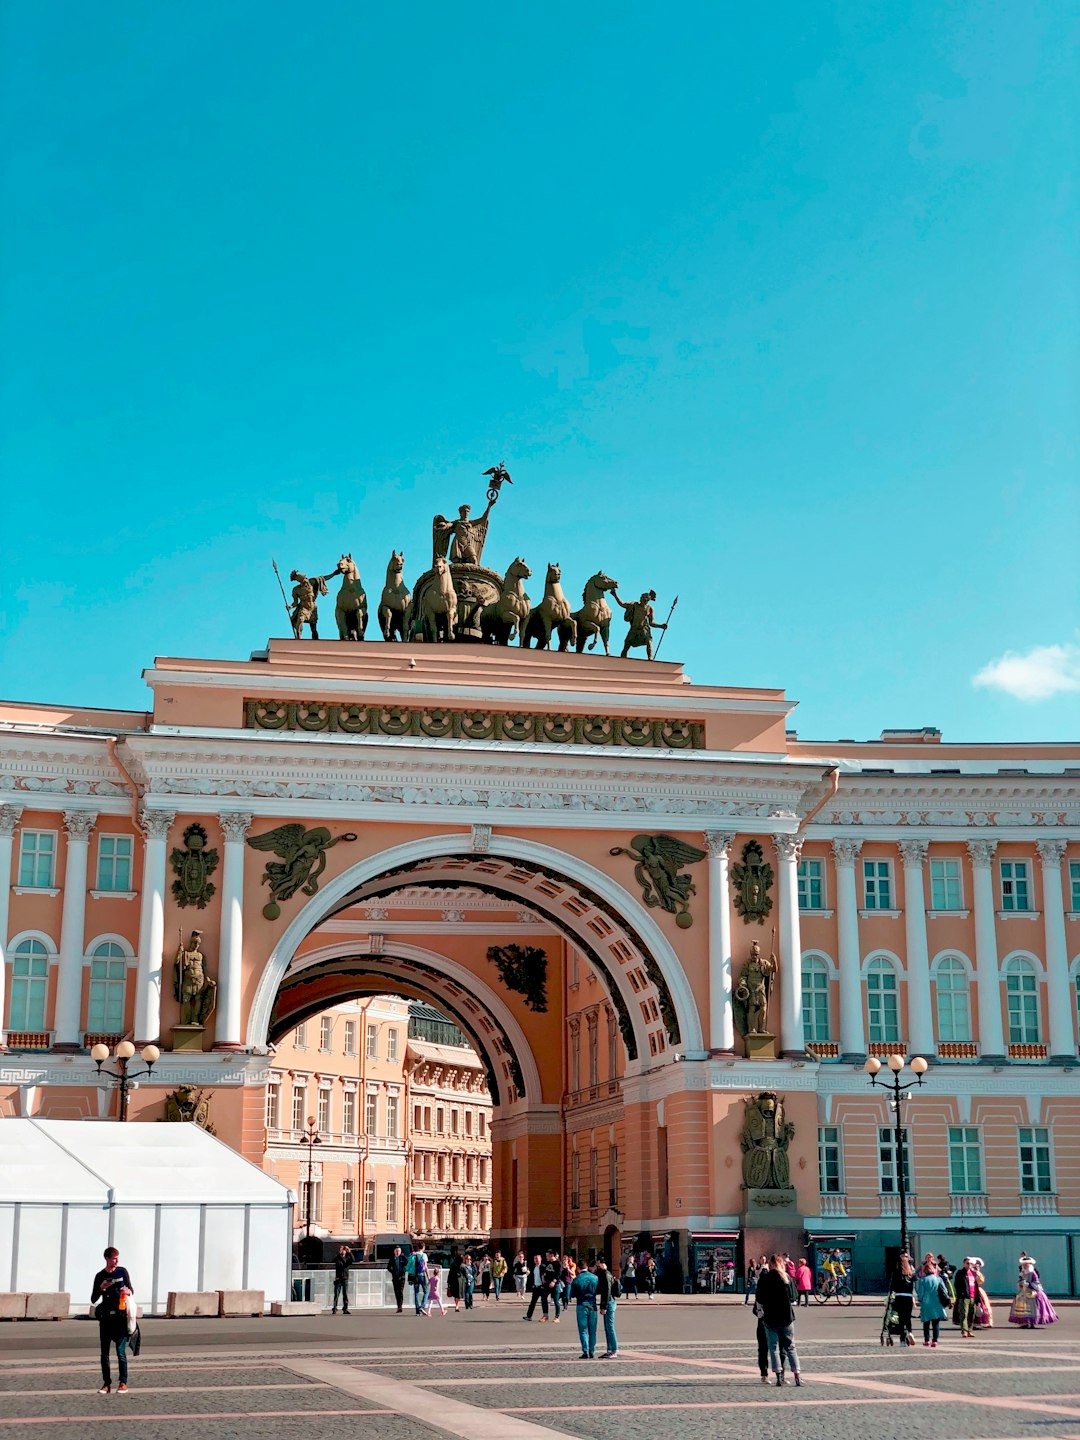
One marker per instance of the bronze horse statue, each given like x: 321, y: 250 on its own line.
x: 553, y: 611
x: 395, y: 600
x: 438, y: 606
x: 501, y: 621
x: 594, y: 617
x: 351, y: 610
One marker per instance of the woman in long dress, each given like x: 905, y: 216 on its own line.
x: 1031, y: 1306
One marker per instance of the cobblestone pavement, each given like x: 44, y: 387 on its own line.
x: 682, y: 1371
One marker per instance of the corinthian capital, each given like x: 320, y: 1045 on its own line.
x: 981, y: 851
x: 788, y: 847
x: 235, y: 825
x: 718, y: 842
x: 155, y: 823
x: 846, y: 851
x: 1051, y: 852
x: 913, y: 852
x: 9, y: 818
x: 79, y: 823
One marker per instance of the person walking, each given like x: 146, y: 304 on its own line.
x: 553, y: 1285
x: 776, y: 1299
x: 485, y: 1276
x: 933, y: 1294
x: 538, y: 1295
x: 762, y: 1344
x: 433, y: 1296
x: 498, y: 1273
x: 903, y: 1291
x: 468, y: 1280
x: 520, y: 1271
x: 453, y: 1282
x: 396, y: 1267
x: 108, y: 1300
x: 608, y: 1291
x: 629, y: 1276
x: 342, y: 1265
x: 649, y: 1269
x: 966, y: 1286
x: 804, y: 1282
x: 584, y: 1291
x: 416, y: 1270
x: 752, y: 1272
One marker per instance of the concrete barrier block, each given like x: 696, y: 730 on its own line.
x: 48, y: 1305
x: 183, y: 1304
x: 241, y: 1302
x: 12, y: 1305
x: 295, y: 1307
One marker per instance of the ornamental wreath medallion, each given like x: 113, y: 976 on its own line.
x: 752, y: 881
x: 193, y: 866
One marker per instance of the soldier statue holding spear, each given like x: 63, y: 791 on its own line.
x: 304, y: 609
x: 641, y: 620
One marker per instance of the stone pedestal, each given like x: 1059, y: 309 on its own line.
x: 761, y: 1047
x: 772, y: 1224
x: 188, y: 1037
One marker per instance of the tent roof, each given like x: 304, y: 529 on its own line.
x: 81, y: 1161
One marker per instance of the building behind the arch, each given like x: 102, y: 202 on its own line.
x: 924, y: 896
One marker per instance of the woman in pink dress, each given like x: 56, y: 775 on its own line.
x: 434, y: 1296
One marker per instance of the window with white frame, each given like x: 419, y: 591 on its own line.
x: 108, y: 989
x: 37, y: 859
x: 1022, y: 996
x: 946, y: 884
x: 953, y: 991
x: 369, y: 1201
x: 273, y: 1104
x: 392, y: 1044
x: 371, y: 1113
x: 114, y: 862
x: 1036, y: 1171
x: 887, y: 1160
x: 350, y: 1037
x: 965, y: 1160
x: 830, y: 1160
x: 1015, y: 891
x: 348, y: 1202
x: 1076, y: 998
x: 877, y: 885
x: 299, y: 1106
x: 392, y: 1116
x: 811, y: 876
x: 314, y: 1198
x: 29, y: 986
x: 322, y: 1120
x: 300, y: 1036
x: 348, y: 1112
x: 373, y: 1042
x: 326, y: 1034
x: 815, y: 1000
x: 1074, y: 885
x: 882, y: 1002
x: 391, y: 1202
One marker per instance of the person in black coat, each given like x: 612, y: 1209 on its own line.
x: 776, y: 1300
x: 396, y: 1267
x: 902, y: 1285
x: 112, y: 1288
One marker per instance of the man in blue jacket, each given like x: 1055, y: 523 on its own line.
x: 583, y: 1291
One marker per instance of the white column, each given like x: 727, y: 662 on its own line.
x: 155, y: 827
x: 1058, y: 990
x: 9, y: 819
x: 849, y: 960
x: 987, y: 978
x: 721, y: 1021
x: 69, y: 986
x: 920, y: 1011
x: 792, y: 1042
x: 230, y: 967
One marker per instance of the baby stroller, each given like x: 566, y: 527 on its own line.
x: 890, y: 1322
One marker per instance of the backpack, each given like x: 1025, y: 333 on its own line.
x: 616, y: 1288
x: 410, y: 1268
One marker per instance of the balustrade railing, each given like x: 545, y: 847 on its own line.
x: 834, y: 1205
x: 1038, y: 1204
x: 890, y: 1205
x: 968, y: 1204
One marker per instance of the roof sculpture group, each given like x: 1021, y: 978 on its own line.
x: 460, y: 599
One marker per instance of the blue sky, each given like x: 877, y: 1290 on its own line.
x: 776, y: 308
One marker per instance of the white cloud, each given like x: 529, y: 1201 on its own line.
x: 1037, y: 674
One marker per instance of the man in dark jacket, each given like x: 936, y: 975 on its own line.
x: 396, y: 1266
x: 111, y: 1292
x: 342, y: 1265
x: 776, y: 1299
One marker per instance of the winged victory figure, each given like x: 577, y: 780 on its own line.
x: 303, y: 853
x: 659, y: 859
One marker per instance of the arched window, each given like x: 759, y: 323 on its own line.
x: 1022, y: 993
x: 108, y: 988
x: 953, y: 1000
x: 29, y: 986
x: 882, y: 1002
x: 815, y: 1000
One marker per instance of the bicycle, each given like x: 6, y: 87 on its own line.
x: 828, y: 1287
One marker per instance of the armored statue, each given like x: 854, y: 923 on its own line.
x: 305, y: 601
x: 750, y: 1001
x: 639, y: 616
x: 192, y: 986
x: 765, y: 1139
x: 462, y: 538
x: 188, y: 1106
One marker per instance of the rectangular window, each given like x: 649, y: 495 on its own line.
x: 347, y: 1202
x: 372, y: 1042
x: 877, y: 885
x: 300, y: 1040
x: 593, y: 1167
x: 1036, y: 1177
x: 613, y: 1176
x: 315, y: 1200
x: 108, y: 986
x: 594, y: 1052
x: 830, y: 1171
x: 1074, y: 886
x: 37, y: 857
x: 416, y: 1114
x: 371, y: 1117
x: 326, y: 1034
x: 483, y: 1124
x: 391, y: 1203
x: 322, y: 1119
x: 454, y: 1121
x: 946, y: 892
x: 575, y: 1181
x: 391, y: 1045
x: 883, y: 1005
x: 348, y: 1112
x: 1022, y: 999
x: 299, y: 1106
x: 273, y: 1105
x: 470, y: 1170
x: 815, y: 1001
x: 392, y: 1116
x: 114, y: 862
x: 427, y: 1120
x: 1014, y: 885
x: 468, y: 1122
x: 440, y: 1121
x: 965, y: 1160
x: 887, y: 1160
x: 811, y: 875
x: 574, y: 1053
x: 350, y: 1037
x: 369, y: 1201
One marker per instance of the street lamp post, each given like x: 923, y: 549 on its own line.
x: 310, y: 1138
x: 896, y: 1064
x: 123, y: 1078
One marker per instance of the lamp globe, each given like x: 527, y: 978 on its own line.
x: 896, y: 1063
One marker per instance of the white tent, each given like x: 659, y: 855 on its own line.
x: 185, y: 1211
